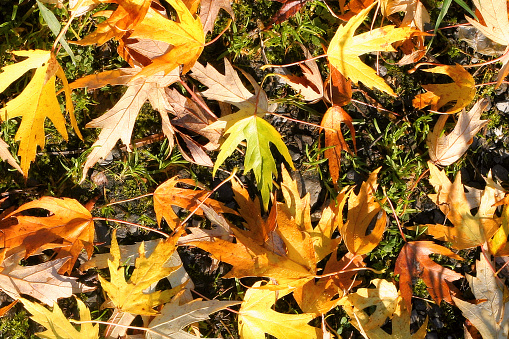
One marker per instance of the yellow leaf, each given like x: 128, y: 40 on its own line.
x: 129, y: 296
x: 362, y: 208
x: 345, y: 49
x: 257, y: 318
x: 468, y: 230
x: 57, y: 324
x: 461, y: 91
x: 186, y: 36
x: 37, y: 102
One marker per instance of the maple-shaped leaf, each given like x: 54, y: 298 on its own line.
x: 167, y: 194
x: 461, y: 91
x: 310, y: 84
x: 209, y: 9
x: 56, y: 323
x: 362, y: 208
x: 36, y: 102
x: 258, y: 134
x: 256, y: 317
x: 468, y: 230
x: 185, y: 35
x: 498, y: 245
x: 414, y: 261
x: 70, y: 225
x: 334, y: 140
x: 490, y: 314
x: 174, y: 317
x: 495, y: 25
x: 118, y: 122
x: 345, y: 48
x: 127, y: 15
x: 42, y: 282
x: 444, y: 150
x: 388, y: 304
x: 129, y: 296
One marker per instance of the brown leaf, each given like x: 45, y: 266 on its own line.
x: 210, y: 9
x: 338, y: 90
x: 289, y: 8
x: 414, y: 262
x: 331, y: 122
x: 444, y: 150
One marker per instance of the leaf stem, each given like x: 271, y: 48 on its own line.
x: 220, y: 34
x: 119, y: 325
x: 127, y: 200
x: 66, y: 27
x: 132, y: 224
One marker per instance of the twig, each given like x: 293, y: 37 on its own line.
x: 132, y: 224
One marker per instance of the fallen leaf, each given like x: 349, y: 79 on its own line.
x: 175, y: 317
x: 495, y: 26
x: 444, y: 150
x: 490, y: 315
x: 256, y: 317
x: 345, y: 48
x: 6, y: 156
x: 36, y: 102
x: 468, y: 230
x: 186, y: 35
x: 167, y: 194
x: 56, y: 323
x: 128, y: 296
x: 362, y: 209
x: 461, y: 91
x: 388, y: 304
x: 70, y: 223
x: 258, y: 134
x: 289, y: 8
x: 334, y: 139
x: 414, y: 261
x: 42, y: 282
x: 209, y: 10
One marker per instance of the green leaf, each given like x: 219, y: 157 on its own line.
x: 258, y: 134
x: 55, y: 26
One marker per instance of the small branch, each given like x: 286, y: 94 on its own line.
x: 395, y: 215
x: 294, y: 63
x: 220, y: 34
x: 127, y: 200
x: 132, y: 224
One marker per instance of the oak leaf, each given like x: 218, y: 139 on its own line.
x: 56, y: 323
x: 444, y: 150
x: 495, y: 25
x: 174, y: 317
x: 70, y: 225
x: 256, y: 317
x: 414, y: 261
x: 42, y: 282
x: 345, y: 48
x: 362, y: 209
x: 334, y: 140
x: 36, y: 102
x: 461, y: 91
x: 388, y: 304
x: 128, y: 296
x: 490, y: 315
x: 468, y: 230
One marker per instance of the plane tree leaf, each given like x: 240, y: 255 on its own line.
x: 414, y: 261
x: 258, y: 134
x: 36, y: 102
x: 129, y: 296
x: 70, y: 225
x: 362, y: 209
x: 209, y: 9
x: 468, y: 230
x: 490, y: 314
x: 345, y: 48
x: 444, y: 150
x: 56, y: 323
x: 174, y: 317
x: 461, y: 91
x: 256, y: 317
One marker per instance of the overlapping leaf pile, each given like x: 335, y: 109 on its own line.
x: 318, y: 266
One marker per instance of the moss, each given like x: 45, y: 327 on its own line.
x: 16, y: 327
